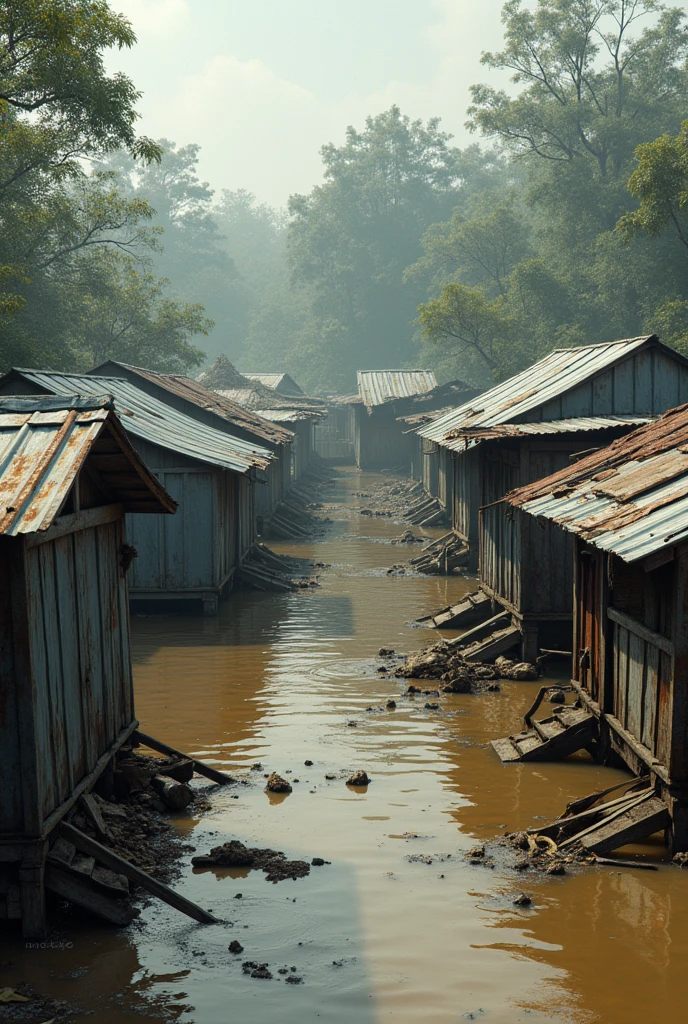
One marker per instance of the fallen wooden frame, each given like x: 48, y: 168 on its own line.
x: 92, y: 848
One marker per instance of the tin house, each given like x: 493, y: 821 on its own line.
x: 211, y: 474
x: 69, y: 478
x: 625, y: 511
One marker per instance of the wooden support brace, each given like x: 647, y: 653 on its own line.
x: 124, y: 867
x: 199, y: 766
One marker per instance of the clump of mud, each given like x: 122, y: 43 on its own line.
x: 235, y: 855
x: 276, y: 784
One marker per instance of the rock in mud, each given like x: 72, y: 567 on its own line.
x: 522, y: 900
x: 235, y: 947
x: 308, y: 763
x: 385, y: 652
x: 293, y: 979
x: 476, y: 852
x: 391, y: 704
x: 256, y: 970
x: 557, y: 697
x: 276, y: 784
x: 358, y: 779
x: 518, y: 670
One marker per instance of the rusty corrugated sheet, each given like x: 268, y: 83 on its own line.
x: 292, y: 415
x: 630, y: 498
x: 280, y: 382
x: 572, y: 425
x: 212, y: 401
x: 43, y: 445
x: 558, y: 373
x: 147, y: 417
x: 375, y: 387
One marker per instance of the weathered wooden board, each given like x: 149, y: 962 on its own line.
x: 85, y: 894
x: 635, y: 824
x: 577, y: 732
x: 494, y: 645
x: 111, y: 860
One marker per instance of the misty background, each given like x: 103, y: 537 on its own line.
x: 326, y: 187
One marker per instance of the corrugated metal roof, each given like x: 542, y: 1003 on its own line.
x: 571, y: 425
x: 224, y: 378
x: 191, y: 391
x: 280, y: 382
x: 375, y: 387
x: 255, y: 401
x: 559, y: 372
x: 147, y: 417
x: 291, y: 415
x: 44, y: 442
x: 630, y: 498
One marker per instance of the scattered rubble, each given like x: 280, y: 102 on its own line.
x: 446, y: 555
x: 446, y: 663
x: 518, y: 670
x: 408, y: 537
x: 391, y: 498
x: 297, y: 516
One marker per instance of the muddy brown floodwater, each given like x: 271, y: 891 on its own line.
x: 375, y: 936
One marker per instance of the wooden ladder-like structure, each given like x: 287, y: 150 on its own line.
x: 569, y: 729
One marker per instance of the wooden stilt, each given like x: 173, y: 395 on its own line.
x: 32, y: 888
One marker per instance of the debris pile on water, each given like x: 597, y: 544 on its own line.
x: 445, y: 663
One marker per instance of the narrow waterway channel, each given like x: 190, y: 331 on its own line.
x: 379, y: 934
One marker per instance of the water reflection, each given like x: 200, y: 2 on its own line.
x: 399, y: 927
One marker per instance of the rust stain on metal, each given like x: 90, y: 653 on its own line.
x: 639, y: 479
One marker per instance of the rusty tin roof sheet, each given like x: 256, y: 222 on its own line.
x: 152, y: 420
x: 280, y: 382
x: 630, y: 498
x: 375, y: 387
x: 559, y: 372
x: 44, y: 441
x: 572, y: 425
x: 212, y: 401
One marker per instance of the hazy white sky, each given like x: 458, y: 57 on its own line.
x: 260, y: 85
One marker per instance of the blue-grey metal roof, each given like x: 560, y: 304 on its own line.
x: 375, y: 387
x: 44, y: 441
x: 549, y: 378
x: 630, y: 498
x: 147, y: 417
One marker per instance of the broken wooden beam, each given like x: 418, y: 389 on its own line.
x: 118, y: 864
x: 200, y: 767
x: 631, y: 826
x: 84, y: 893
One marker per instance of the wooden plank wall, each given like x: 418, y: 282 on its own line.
x: 648, y: 382
x: 80, y: 652
x: 430, y: 459
x: 11, y: 790
x: 642, y: 687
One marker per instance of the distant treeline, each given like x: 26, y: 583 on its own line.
x: 568, y: 224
